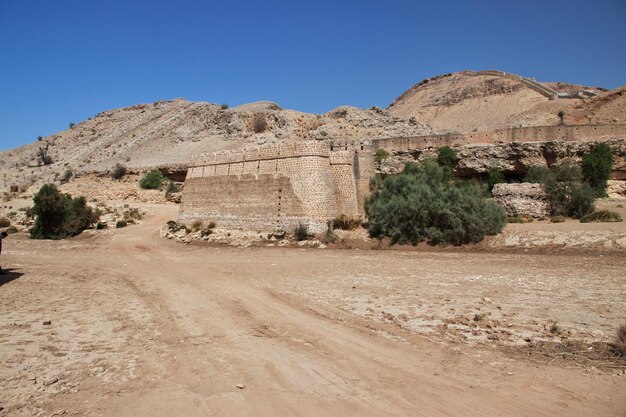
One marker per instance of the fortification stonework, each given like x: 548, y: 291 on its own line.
x: 279, y: 186
x: 271, y: 187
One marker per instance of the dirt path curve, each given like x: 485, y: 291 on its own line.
x: 209, y: 321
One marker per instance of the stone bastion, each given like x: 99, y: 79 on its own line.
x: 278, y: 186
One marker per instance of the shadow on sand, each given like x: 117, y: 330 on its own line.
x: 9, y: 275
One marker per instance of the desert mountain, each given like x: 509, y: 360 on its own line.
x: 485, y: 100
x: 167, y: 133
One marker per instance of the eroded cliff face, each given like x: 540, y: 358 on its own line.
x: 513, y: 159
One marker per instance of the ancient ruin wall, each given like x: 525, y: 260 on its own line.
x: 265, y: 188
x: 568, y: 133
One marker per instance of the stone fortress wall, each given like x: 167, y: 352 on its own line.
x: 272, y: 187
x: 279, y: 186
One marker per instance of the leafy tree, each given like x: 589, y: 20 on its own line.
x: 495, y: 176
x: 446, y: 157
x: 59, y: 215
x: 597, y: 167
x: 427, y: 206
x: 537, y: 174
x: 567, y: 194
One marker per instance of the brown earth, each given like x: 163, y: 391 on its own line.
x: 468, y: 102
x: 144, y: 326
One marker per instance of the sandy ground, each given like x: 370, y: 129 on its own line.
x: 142, y: 326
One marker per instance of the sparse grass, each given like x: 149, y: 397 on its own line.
x: 522, y: 218
x: 479, y: 316
x: 197, y: 225
x: 301, y: 232
x: 602, y: 216
x: 172, y: 187
x: 259, y: 124
x: 11, y: 229
x: 132, y: 215
x: 67, y: 175
x: 557, y: 219
x: 619, y: 346
x: 554, y: 328
x: 344, y: 222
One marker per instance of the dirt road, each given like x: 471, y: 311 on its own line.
x: 142, y: 326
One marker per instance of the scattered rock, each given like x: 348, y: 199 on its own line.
x: 240, y: 386
x: 47, y: 322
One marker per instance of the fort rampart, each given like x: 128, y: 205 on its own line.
x: 279, y: 186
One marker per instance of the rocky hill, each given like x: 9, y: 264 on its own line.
x: 167, y: 133
x: 485, y: 100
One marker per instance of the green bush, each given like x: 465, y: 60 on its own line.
x: 132, y: 215
x: 344, y: 222
x: 301, y: 232
x: 567, y: 195
x: 381, y: 155
x: 426, y: 206
x: 597, y: 166
x: 514, y: 219
x: 537, y: 174
x: 59, y: 215
x: 118, y: 171
x: 603, y: 216
x: 496, y: 176
x: 120, y: 224
x: 224, y: 106
x: 446, y: 157
x: 152, y: 180
x: 4, y: 222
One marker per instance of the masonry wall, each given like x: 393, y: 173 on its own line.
x: 267, y: 188
x: 522, y: 134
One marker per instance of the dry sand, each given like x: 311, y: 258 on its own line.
x: 142, y: 326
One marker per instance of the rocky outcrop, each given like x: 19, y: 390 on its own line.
x: 513, y: 159
x: 524, y: 198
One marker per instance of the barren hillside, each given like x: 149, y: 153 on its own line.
x: 477, y: 101
x: 167, y: 133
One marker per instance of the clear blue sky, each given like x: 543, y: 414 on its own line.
x: 64, y: 61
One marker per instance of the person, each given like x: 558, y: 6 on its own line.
x: 2, y: 236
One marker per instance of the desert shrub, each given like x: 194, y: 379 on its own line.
x: 604, y: 216
x: 118, y: 171
x: 43, y: 158
x: 381, y: 155
x: 59, y: 215
x: 120, y: 224
x: 597, y: 166
x: 561, y: 115
x: 557, y: 219
x: 132, y: 215
x: 206, y: 231
x: 619, y: 346
x: 522, y: 218
x: 11, y: 229
x: 567, y: 194
x: 259, y: 124
x: 446, y: 157
x: 301, y: 232
x: 72, y: 125
x: 495, y: 176
x: 411, y: 208
x: 224, y: 106
x: 152, y: 180
x: 344, y: 222
x: 172, y: 187
x: 67, y: 175
x: 197, y: 225
x: 100, y: 226
x: 329, y: 234
x: 538, y: 174
x: 4, y: 222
